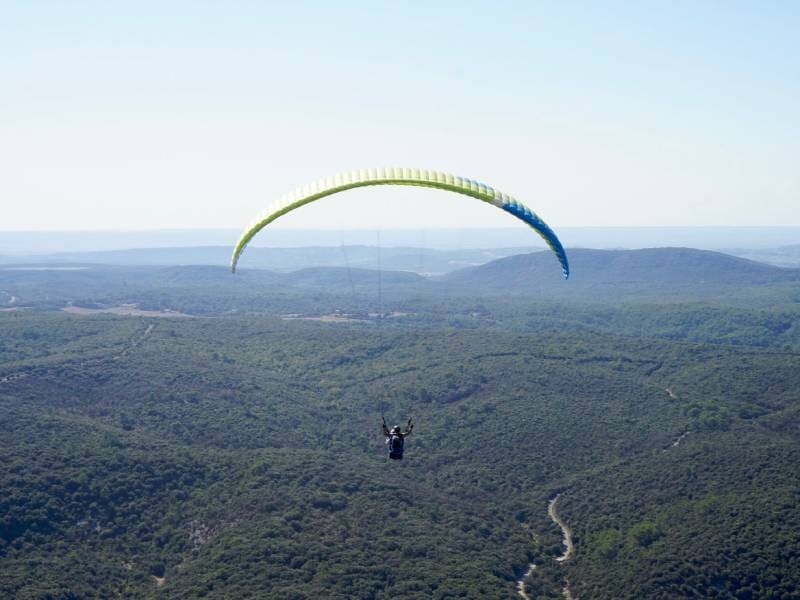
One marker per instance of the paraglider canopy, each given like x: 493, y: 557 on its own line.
x: 401, y: 176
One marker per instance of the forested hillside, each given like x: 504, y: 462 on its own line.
x: 154, y: 454
x: 225, y: 456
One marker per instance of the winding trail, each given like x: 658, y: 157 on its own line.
x: 567, y: 593
x: 135, y: 342
x: 568, y: 552
x: 680, y: 438
x: 570, y: 547
x: 521, y: 582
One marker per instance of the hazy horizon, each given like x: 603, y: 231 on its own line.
x: 22, y: 243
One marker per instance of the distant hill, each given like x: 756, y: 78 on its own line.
x: 650, y: 275
x: 619, y: 272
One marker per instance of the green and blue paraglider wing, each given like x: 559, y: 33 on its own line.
x: 397, y: 176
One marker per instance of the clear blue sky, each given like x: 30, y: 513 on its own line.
x: 197, y: 114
